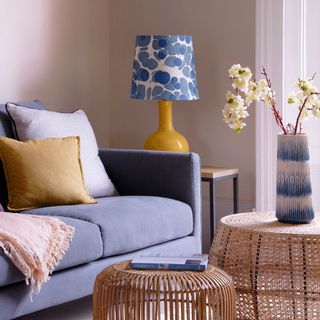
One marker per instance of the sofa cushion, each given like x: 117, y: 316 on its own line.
x: 33, y: 124
x: 129, y: 223
x: 37, y: 177
x: 85, y: 246
x: 6, y: 131
x: 5, y: 122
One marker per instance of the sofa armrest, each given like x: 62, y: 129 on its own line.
x: 156, y: 173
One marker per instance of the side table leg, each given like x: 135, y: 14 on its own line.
x: 212, y: 209
x: 236, y: 194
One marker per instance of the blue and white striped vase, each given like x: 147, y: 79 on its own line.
x: 293, y: 201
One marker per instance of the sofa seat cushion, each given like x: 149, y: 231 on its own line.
x: 85, y: 246
x: 129, y: 223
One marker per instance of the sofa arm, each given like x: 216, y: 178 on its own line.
x: 156, y: 173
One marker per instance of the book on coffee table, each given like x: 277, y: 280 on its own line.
x: 191, y: 263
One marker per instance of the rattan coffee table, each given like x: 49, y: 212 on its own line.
x: 122, y: 293
x: 275, y: 267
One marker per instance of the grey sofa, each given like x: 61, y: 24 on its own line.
x: 158, y: 211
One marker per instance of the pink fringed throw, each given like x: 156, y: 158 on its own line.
x: 35, y: 244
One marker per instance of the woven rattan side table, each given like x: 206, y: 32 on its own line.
x: 275, y: 267
x: 122, y: 293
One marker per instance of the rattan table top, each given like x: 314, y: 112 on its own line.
x: 266, y: 222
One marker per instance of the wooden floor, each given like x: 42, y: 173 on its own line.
x: 76, y: 310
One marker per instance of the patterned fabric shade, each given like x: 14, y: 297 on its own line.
x: 164, y: 69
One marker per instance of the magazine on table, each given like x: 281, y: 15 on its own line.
x: 197, y: 262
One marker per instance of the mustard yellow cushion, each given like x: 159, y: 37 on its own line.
x: 43, y: 172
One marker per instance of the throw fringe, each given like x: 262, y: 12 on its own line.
x: 36, y: 264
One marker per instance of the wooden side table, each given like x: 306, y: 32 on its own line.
x: 275, y: 266
x: 124, y: 293
x: 213, y: 175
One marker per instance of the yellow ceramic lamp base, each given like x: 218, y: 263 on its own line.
x: 166, y: 138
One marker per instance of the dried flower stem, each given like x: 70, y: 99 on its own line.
x: 277, y: 115
x: 301, y: 109
x: 299, y: 115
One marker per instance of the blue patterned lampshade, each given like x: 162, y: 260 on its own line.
x: 164, y: 69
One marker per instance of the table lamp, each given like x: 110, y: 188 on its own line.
x: 164, y: 70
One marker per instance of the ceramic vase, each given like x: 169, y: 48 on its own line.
x: 293, y: 200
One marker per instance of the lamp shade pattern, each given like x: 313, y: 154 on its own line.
x: 164, y: 68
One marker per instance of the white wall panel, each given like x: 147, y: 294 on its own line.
x: 298, y: 57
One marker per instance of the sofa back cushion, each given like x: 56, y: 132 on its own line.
x: 5, y: 123
x: 7, y: 131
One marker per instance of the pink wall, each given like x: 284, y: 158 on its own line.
x: 57, y: 51
x: 223, y: 34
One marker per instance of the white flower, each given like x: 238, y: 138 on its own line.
x: 241, y: 77
x: 316, y: 112
x: 234, y: 71
x: 293, y: 98
x: 306, y: 95
x: 263, y: 85
x: 264, y: 93
x: 237, y: 126
x: 268, y: 97
x: 300, y: 98
x: 305, y: 114
x: 313, y: 106
x: 306, y: 86
x: 250, y: 97
x: 240, y: 84
x: 233, y: 99
x: 309, y: 103
x: 234, y: 111
x: 245, y: 73
x: 314, y: 101
x: 256, y: 91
